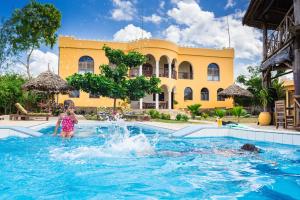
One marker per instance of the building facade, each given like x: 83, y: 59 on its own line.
x: 188, y: 75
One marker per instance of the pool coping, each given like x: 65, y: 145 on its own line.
x: 197, y: 131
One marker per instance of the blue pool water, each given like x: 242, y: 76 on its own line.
x: 110, y: 163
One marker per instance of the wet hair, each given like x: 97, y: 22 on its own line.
x: 68, y: 103
x: 250, y: 148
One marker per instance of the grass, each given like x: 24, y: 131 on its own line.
x: 172, y: 121
x: 252, y: 119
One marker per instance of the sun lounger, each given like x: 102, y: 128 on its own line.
x: 22, y: 113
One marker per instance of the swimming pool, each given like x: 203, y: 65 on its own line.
x: 107, y: 162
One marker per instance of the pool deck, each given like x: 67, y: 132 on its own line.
x: 172, y: 126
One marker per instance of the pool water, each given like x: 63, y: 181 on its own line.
x: 142, y: 163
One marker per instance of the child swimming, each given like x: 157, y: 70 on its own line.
x: 67, y: 119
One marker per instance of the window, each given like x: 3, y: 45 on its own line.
x: 204, y: 94
x: 220, y: 98
x: 213, y: 72
x: 93, y: 96
x: 74, y: 94
x: 85, y: 65
x: 188, y: 94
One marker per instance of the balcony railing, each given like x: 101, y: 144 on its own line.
x: 164, y: 73
x: 185, y: 75
x: 282, y: 35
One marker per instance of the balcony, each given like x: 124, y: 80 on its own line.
x: 185, y: 75
x: 282, y: 36
x: 165, y: 73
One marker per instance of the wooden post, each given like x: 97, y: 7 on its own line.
x: 266, y: 82
x: 296, y: 63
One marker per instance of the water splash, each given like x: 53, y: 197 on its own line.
x: 118, y: 143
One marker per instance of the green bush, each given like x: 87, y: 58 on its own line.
x: 154, y: 114
x: 220, y: 113
x: 194, y: 110
x: 184, y: 117
x: 178, y: 117
x: 165, y: 116
x: 204, y: 115
x: 238, y: 111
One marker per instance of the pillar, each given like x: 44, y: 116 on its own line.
x: 156, y: 101
x: 141, y: 73
x: 157, y: 68
x: 170, y: 70
x: 296, y: 64
x: 169, y: 99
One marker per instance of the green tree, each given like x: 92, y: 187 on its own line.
x: 113, y: 81
x: 194, y: 110
x: 31, y: 27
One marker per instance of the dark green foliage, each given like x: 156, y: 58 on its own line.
x: 113, y: 82
x: 154, y: 114
x: 178, y: 117
x: 194, y: 110
x: 238, y: 111
x: 165, y: 116
x: 182, y: 117
x: 11, y: 93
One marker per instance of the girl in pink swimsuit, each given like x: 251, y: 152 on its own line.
x: 67, y: 120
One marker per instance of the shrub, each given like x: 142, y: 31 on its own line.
x: 184, y: 117
x: 154, y: 114
x: 204, y: 115
x: 194, y: 110
x: 165, y: 116
x: 220, y: 113
x: 178, y: 117
x: 238, y: 111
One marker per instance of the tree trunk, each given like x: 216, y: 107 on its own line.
x: 28, y: 64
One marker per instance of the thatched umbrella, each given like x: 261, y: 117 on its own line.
x: 47, y: 83
x: 235, y: 91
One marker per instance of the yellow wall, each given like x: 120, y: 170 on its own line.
x: 71, y: 49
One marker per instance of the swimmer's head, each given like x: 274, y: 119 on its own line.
x: 250, y: 148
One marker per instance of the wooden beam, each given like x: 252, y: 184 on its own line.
x: 285, y: 73
x: 265, y: 42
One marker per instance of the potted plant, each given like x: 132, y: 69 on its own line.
x: 264, y: 117
x: 220, y: 113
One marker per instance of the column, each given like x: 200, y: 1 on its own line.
x: 157, y: 68
x: 170, y: 70
x: 141, y: 73
x: 170, y: 99
x: 156, y: 101
x: 296, y: 64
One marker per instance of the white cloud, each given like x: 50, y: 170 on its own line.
x: 194, y: 26
x: 40, y: 60
x: 131, y: 32
x: 153, y: 18
x: 123, y: 10
x: 229, y: 4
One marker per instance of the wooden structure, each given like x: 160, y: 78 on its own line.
x: 280, y: 23
x: 282, y: 116
x: 22, y: 113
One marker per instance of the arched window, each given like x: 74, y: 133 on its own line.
x: 188, y: 94
x: 213, y: 72
x: 220, y: 98
x: 204, y: 94
x: 85, y: 65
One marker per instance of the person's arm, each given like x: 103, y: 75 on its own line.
x: 74, y: 118
x: 57, y: 125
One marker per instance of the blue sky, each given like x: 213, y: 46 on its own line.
x: 197, y: 23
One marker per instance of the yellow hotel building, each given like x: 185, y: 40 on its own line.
x: 188, y: 75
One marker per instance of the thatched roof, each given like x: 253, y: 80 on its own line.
x: 235, y: 91
x: 47, y: 82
